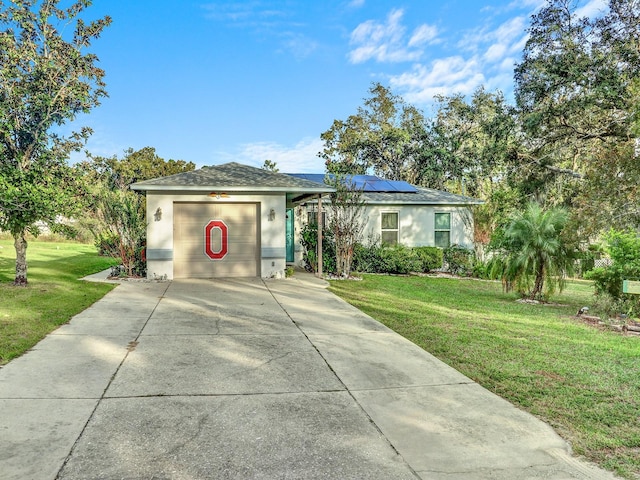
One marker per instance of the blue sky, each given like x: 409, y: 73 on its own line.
x: 218, y: 81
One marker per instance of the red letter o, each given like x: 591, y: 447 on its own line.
x: 224, y: 234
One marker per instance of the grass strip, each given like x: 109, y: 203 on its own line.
x: 581, y: 380
x: 53, y: 296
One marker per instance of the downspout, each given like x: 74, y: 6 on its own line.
x: 320, y: 226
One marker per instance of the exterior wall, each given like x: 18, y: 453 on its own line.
x: 271, y: 236
x: 416, y: 224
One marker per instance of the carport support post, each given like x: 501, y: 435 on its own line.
x: 320, y: 226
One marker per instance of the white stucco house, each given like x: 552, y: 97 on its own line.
x: 234, y: 220
x: 398, y: 212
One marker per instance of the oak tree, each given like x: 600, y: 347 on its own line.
x: 577, y: 90
x: 381, y: 137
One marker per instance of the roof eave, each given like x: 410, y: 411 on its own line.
x: 243, y: 189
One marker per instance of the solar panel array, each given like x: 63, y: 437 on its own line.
x: 366, y: 183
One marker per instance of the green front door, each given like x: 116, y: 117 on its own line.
x: 290, y: 242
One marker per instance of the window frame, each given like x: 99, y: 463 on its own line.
x: 386, y: 230
x: 437, y: 230
x: 312, y: 218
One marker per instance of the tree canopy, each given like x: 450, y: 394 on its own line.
x: 46, y: 79
x: 134, y: 166
x: 383, y: 136
x: 116, y: 215
x: 577, y: 93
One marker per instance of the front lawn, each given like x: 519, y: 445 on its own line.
x: 53, y: 296
x: 583, y: 381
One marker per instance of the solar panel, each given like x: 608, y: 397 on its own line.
x: 366, y: 183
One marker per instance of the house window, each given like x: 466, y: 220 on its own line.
x: 312, y: 218
x: 389, y: 231
x: 443, y: 230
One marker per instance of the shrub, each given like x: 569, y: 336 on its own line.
x: 396, y: 259
x: 458, y: 260
x: 430, y: 258
x: 106, y: 242
x: 481, y: 270
x: 608, y: 307
x: 366, y: 259
x: 400, y: 259
x: 624, y: 250
x: 607, y: 280
x: 124, y: 235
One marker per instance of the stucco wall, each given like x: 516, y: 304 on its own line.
x: 271, y: 236
x: 416, y: 224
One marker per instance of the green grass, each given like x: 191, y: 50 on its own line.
x: 53, y: 296
x: 583, y: 381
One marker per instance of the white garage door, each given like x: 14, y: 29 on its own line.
x: 215, y: 240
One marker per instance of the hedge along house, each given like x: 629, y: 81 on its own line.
x: 229, y: 220
x: 398, y: 212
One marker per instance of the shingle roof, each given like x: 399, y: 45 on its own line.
x: 235, y: 177
x: 380, y: 191
x: 423, y: 196
x: 366, y: 183
x: 232, y: 177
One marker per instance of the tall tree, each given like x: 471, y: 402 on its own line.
x: 577, y: 89
x: 114, y: 214
x: 381, y: 137
x: 116, y: 173
x: 270, y: 165
x: 470, y: 145
x: 46, y: 79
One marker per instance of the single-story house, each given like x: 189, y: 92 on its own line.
x: 236, y: 220
x: 398, y: 212
x: 223, y: 221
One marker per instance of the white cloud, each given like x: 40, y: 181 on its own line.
x: 388, y: 42
x: 299, y: 45
x: 592, y: 9
x: 356, y: 3
x: 423, y: 34
x: 484, y: 56
x: 299, y: 158
x: 444, y: 76
x: 495, y: 52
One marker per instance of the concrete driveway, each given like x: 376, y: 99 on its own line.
x: 253, y: 379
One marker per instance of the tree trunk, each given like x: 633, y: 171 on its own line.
x: 20, y: 244
x: 537, y: 288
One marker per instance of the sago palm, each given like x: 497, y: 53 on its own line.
x: 538, y: 256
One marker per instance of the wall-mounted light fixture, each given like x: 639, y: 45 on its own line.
x: 219, y: 195
x: 158, y: 215
x: 272, y: 215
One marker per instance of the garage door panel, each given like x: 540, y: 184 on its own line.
x: 236, y: 229
x: 196, y: 253
x: 200, y: 269
x: 190, y: 259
